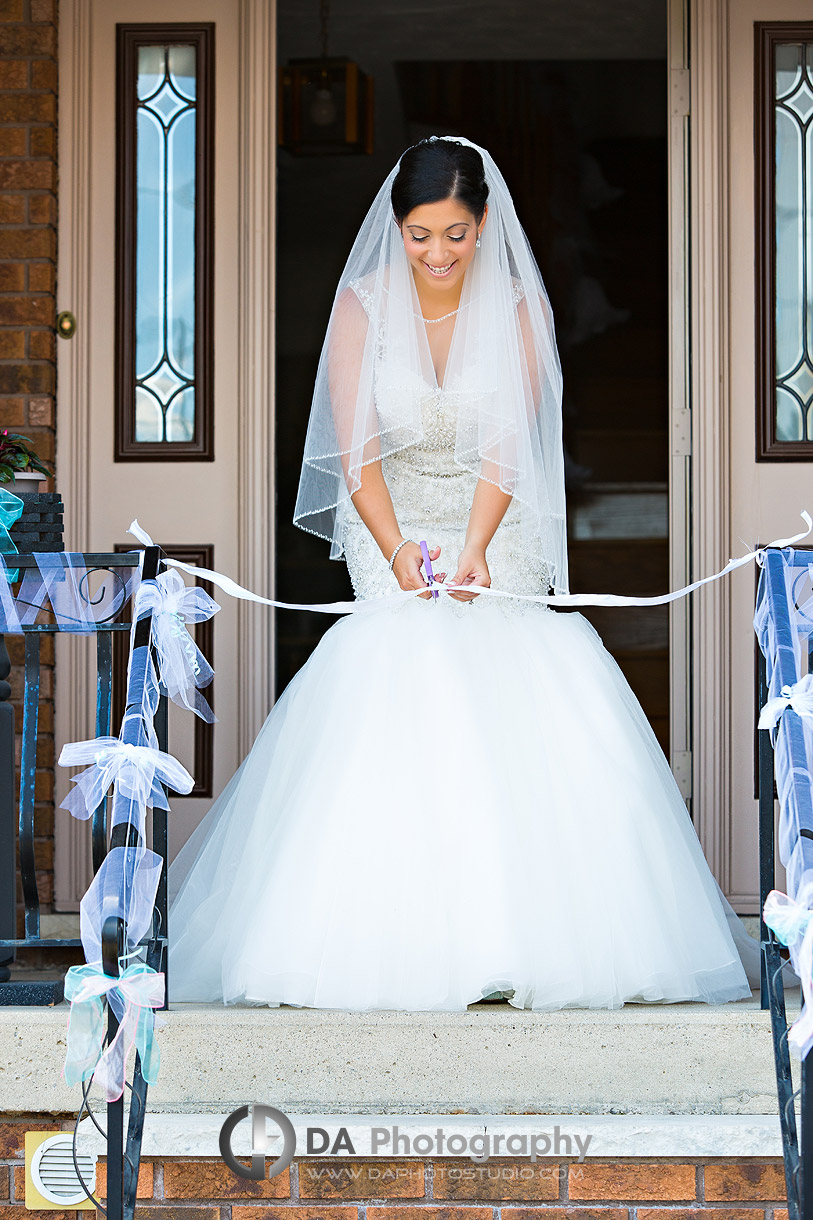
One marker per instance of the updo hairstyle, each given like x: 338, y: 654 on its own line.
x: 433, y: 170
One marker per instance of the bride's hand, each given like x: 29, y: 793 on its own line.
x: 472, y: 569
x: 408, y: 567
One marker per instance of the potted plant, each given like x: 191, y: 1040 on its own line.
x: 21, y: 470
x: 39, y: 528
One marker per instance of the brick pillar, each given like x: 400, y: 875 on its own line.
x: 28, y: 215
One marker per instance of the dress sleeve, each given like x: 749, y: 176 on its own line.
x: 351, y: 401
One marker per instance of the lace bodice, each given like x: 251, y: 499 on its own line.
x: 432, y: 498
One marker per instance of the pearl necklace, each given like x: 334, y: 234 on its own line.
x: 431, y: 321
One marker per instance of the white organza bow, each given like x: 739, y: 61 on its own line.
x: 793, y: 924
x: 183, y: 669
x: 133, y: 995
x: 799, y: 696
x: 136, y: 771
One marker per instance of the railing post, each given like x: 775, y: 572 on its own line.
x: 8, y: 879
x: 806, y: 1139
x: 767, y: 861
x: 112, y: 949
x: 124, y: 833
x: 784, y: 754
x: 772, y: 966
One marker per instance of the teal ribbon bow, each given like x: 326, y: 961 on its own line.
x: 132, y: 995
x: 11, y: 509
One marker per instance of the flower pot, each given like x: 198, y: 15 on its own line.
x: 40, y: 526
x: 24, y: 483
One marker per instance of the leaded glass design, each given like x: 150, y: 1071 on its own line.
x: 793, y: 236
x: 166, y: 87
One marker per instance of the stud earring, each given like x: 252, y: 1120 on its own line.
x: 477, y: 243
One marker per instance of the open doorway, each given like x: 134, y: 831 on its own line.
x: 573, y: 108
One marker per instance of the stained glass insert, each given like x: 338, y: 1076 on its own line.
x: 165, y: 244
x: 793, y: 210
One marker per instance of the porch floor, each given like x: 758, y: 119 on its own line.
x: 655, y: 1059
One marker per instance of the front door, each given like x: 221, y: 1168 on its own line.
x: 157, y: 414
x: 766, y: 494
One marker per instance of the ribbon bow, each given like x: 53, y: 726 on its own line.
x: 137, y: 772
x: 793, y: 925
x: 132, y: 995
x: 11, y: 509
x: 182, y: 666
x: 799, y: 696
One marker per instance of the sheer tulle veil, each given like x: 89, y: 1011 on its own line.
x: 503, y: 373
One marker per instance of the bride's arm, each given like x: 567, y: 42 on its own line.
x: 374, y: 505
x: 372, y: 499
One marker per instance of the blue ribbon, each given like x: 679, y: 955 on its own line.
x: 11, y: 509
x: 133, y: 995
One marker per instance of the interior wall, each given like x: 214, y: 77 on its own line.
x: 552, y: 122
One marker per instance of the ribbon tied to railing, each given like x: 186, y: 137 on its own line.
x: 799, y: 696
x: 137, y: 772
x: 11, y: 509
x: 133, y: 995
x: 792, y: 923
x: 182, y: 667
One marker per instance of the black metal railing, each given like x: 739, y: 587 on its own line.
x: 122, y: 1159
x: 781, y: 652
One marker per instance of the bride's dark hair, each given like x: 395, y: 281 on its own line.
x: 432, y: 170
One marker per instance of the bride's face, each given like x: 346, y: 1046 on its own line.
x: 439, y: 241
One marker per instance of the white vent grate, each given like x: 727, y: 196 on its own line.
x: 54, y: 1173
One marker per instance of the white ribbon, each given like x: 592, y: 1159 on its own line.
x: 799, y: 696
x: 9, y: 617
x: 793, y: 922
x: 136, y: 771
x: 562, y: 599
x: 139, y: 533
x: 183, y: 669
x: 61, y: 583
x: 125, y: 886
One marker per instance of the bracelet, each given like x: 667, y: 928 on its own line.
x: 403, y: 542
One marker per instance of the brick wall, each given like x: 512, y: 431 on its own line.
x: 28, y: 213
x: 458, y: 1189
x: 438, y: 1189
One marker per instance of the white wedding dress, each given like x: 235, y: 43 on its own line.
x: 449, y: 801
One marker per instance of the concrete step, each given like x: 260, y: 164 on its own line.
x: 463, y: 1135
x: 491, y: 1059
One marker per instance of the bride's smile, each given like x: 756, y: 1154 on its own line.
x: 440, y: 242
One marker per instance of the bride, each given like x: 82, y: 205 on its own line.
x: 458, y: 796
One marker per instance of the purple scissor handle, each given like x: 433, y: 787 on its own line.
x: 427, y: 563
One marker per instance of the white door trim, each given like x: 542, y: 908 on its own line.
x: 74, y: 692
x: 710, y: 392
x: 680, y: 623
x: 254, y: 392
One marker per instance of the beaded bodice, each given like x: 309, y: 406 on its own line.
x: 432, y: 495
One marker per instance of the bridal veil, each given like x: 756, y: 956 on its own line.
x: 503, y: 375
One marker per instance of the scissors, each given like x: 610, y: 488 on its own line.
x: 427, y: 563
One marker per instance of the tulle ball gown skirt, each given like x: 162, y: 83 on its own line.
x: 446, y: 802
